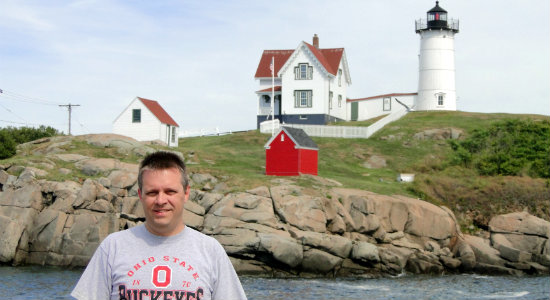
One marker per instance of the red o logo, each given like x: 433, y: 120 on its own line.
x: 162, y: 276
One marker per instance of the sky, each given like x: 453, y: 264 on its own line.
x: 198, y: 58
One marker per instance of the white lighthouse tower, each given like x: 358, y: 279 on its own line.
x: 436, y: 80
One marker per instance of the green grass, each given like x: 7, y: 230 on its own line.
x: 240, y: 159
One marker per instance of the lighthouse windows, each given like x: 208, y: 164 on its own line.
x: 440, y: 99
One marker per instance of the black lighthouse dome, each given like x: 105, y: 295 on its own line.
x: 436, y: 20
x: 437, y: 17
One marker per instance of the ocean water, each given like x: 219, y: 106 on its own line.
x: 34, y: 282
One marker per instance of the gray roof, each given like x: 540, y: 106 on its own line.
x: 300, y: 137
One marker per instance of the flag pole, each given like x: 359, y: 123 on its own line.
x: 272, y: 95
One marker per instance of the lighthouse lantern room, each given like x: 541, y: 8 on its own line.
x: 436, y: 80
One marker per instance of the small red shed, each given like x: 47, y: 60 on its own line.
x: 290, y: 152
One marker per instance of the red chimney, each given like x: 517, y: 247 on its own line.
x: 315, y: 41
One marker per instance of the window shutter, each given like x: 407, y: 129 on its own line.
x: 295, y: 72
x: 309, y: 96
x: 310, y: 73
x: 296, y: 99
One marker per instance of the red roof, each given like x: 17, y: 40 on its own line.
x: 158, y: 111
x: 382, y: 96
x: 277, y: 89
x: 281, y: 56
x: 329, y: 58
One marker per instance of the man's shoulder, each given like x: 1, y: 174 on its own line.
x: 203, y: 238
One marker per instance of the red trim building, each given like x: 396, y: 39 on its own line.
x: 291, y: 152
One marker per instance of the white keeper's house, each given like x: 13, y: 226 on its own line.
x: 310, y: 84
x: 311, y: 87
x: 146, y: 120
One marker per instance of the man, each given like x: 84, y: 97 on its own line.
x: 162, y: 259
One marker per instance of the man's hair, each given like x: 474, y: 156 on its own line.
x: 162, y: 160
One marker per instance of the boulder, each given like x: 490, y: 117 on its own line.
x: 424, y: 263
x: 86, y: 195
x: 47, y: 231
x: 122, y: 179
x: 261, y: 191
x: 10, y: 233
x: 333, y: 244
x: 317, y: 261
x: 27, y: 196
x: 238, y: 241
x: 365, y: 252
x: 465, y: 254
x: 484, y: 253
x: 304, y: 212
x: 209, y: 199
x: 520, y: 222
x: 284, y: 250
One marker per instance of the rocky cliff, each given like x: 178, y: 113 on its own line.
x: 277, y: 230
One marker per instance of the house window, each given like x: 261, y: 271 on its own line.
x: 136, y: 115
x: 340, y: 77
x: 266, y: 98
x: 339, y: 100
x: 302, y: 98
x: 173, y: 134
x: 330, y: 100
x: 303, y: 72
x: 282, y: 137
x: 302, y: 117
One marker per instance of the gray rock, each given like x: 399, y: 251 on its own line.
x: 483, y: 251
x: 209, y: 199
x: 334, y: 244
x: 86, y: 195
x: 318, y: 261
x: 29, y: 195
x: 285, y: 250
x: 303, y: 212
x: 449, y: 262
x: 122, y: 179
x: 101, y: 205
x: 261, y: 191
x: 520, y: 222
x: 465, y: 254
x: 364, y: 251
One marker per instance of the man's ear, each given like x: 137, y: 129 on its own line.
x: 187, y: 191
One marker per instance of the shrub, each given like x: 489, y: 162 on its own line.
x: 511, y: 147
x: 10, y: 137
x: 7, y: 145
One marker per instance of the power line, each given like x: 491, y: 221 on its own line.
x: 9, y: 110
x: 22, y: 98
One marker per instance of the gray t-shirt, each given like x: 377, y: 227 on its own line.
x: 135, y: 264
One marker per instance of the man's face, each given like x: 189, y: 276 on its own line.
x: 162, y: 197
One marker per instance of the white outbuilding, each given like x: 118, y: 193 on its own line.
x: 146, y: 120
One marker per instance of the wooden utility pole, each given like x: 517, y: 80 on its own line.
x: 70, y: 108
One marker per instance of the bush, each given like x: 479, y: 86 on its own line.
x: 7, y: 145
x: 512, y: 147
x: 10, y: 137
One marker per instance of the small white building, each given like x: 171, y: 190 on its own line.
x: 371, y: 107
x: 146, y: 120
